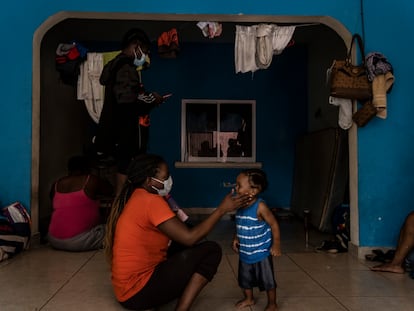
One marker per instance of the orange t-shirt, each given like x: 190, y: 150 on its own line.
x: 138, y: 244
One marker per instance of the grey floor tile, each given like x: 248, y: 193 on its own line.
x: 285, y: 263
x: 356, y: 283
x: 328, y: 262
x: 36, y: 275
x: 303, y: 304
x: 44, y: 279
x: 216, y: 304
x: 222, y: 286
x: 378, y: 303
x: 298, y: 284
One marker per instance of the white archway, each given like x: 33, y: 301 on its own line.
x: 61, y: 16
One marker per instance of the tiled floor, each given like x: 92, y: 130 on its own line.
x: 45, y: 279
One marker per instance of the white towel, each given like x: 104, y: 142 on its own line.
x: 89, y: 89
x: 256, y: 45
x: 380, y: 86
x: 245, y: 49
x: 264, y: 46
x: 345, y: 111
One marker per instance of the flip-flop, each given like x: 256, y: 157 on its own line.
x: 374, y: 257
x: 371, y: 257
x: 384, y: 257
x: 389, y: 255
x: 378, y: 252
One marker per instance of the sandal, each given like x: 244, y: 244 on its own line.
x: 378, y: 255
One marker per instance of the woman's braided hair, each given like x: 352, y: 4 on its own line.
x: 141, y: 167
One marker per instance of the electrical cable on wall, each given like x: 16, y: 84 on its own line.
x: 362, y: 19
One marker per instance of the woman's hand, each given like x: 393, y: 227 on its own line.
x: 232, y: 202
x: 158, y: 98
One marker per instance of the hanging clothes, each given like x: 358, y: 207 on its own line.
x: 377, y: 64
x: 255, y: 45
x: 210, y: 29
x: 264, y: 46
x: 271, y: 40
x: 380, y: 73
x: 168, y: 46
x: 282, y: 36
x: 108, y: 56
x: 381, y: 85
x: 68, y: 58
x: 345, y: 111
x: 245, y: 49
x: 89, y: 89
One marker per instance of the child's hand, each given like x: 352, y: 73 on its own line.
x: 275, y: 251
x: 235, y: 245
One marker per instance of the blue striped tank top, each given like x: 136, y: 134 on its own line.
x: 255, y: 236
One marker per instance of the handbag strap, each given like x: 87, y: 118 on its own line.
x: 358, y: 38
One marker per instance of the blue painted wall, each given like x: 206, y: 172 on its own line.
x: 207, y: 72
x: 385, y: 147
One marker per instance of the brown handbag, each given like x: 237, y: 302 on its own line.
x: 350, y: 81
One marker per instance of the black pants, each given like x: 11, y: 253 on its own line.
x: 119, y: 133
x: 172, y: 276
x: 133, y: 141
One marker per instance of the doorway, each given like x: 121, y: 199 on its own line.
x: 106, y: 28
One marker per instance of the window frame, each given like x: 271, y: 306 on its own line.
x: 221, y: 161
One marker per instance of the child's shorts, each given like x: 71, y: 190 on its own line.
x: 259, y: 274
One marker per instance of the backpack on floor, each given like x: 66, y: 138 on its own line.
x: 15, y: 230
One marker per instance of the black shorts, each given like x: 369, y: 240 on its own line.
x: 259, y: 274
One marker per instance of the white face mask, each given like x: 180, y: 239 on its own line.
x: 139, y: 61
x: 167, y: 186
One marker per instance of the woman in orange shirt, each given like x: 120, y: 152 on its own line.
x: 139, y: 231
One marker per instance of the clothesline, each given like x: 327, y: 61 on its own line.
x: 303, y: 25
x: 255, y: 47
x: 108, y: 46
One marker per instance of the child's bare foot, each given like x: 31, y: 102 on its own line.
x: 245, y: 303
x: 388, y: 267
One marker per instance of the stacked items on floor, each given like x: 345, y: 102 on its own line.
x: 340, y: 224
x: 15, y: 231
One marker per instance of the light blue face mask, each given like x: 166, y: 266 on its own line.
x: 138, y: 62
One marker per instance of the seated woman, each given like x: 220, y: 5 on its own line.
x: 76, y: 221
x: 141, y: 225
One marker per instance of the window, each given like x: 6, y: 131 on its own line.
x: 218, y: 131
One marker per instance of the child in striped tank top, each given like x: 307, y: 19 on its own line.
x: 256, y: 241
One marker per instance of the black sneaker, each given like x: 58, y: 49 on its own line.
x: 324, y: 246
x: 343, y: 240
